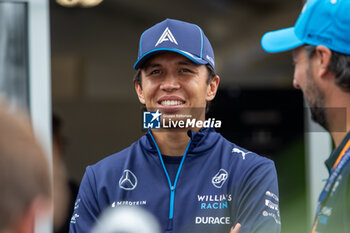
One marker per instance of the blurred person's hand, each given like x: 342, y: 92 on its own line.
x: 236, y: 229
x: 127, y: 219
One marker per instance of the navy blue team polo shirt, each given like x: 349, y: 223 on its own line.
x: 217, y: 185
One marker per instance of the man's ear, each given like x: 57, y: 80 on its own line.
x: 212, y: 88
x: 139, y: 92
x: 324, y: 56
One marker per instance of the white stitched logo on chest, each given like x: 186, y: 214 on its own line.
x: 219, y: 179
x: 128, y: 181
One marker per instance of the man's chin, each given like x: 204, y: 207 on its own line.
x: 318, y: 116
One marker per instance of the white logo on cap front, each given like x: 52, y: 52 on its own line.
x: 128, y: 181
x: 166, y: 36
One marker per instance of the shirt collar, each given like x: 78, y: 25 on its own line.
x: 199, y: 143
x: 335, y: 154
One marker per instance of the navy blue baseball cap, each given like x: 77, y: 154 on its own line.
x: 321, y: 22
x: 176, y: 36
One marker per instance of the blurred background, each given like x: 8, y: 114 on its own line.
x: 92, y: 50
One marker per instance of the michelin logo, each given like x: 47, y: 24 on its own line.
x: 268, y: 214
x: 220, y: 178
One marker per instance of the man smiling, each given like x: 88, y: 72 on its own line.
x: 191, y: 180
x: 320, y: 41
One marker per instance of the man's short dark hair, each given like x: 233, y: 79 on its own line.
x: 339, y: 65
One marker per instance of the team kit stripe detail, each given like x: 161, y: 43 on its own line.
x: 200, y: 31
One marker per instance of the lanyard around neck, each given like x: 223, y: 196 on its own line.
x: 338, y: 166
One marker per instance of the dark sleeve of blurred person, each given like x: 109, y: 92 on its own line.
x: 25, y: 188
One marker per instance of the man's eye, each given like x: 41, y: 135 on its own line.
x: 155, y: 72
x: 185, y: 70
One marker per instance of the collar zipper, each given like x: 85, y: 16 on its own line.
x: 172, y: 187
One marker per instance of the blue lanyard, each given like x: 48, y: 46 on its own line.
x: 332, y: 179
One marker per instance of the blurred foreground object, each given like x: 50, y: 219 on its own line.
x: 126, y: 219
x: 82, y: 3
x: 61, y: 192
x: 25, y: 188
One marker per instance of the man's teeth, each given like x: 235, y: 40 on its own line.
x: 171, y: 102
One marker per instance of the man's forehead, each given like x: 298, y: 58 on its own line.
x: 172, y: 57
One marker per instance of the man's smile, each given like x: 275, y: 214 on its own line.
x: 171, y: 101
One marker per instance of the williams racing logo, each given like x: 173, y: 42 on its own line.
x: 214, y: 202
x: 220, y: 178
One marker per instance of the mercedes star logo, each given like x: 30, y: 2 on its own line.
x: 128, y: 181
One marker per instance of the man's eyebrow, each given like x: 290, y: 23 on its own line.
x: 187, y: 63
x: 151, y: 65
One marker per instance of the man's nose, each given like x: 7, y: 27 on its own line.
x: 295, y: 84
x: 295, y: 80
x: 170, y: 83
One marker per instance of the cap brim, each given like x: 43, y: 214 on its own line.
x: 280, y: 40
x: 138, y: 64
